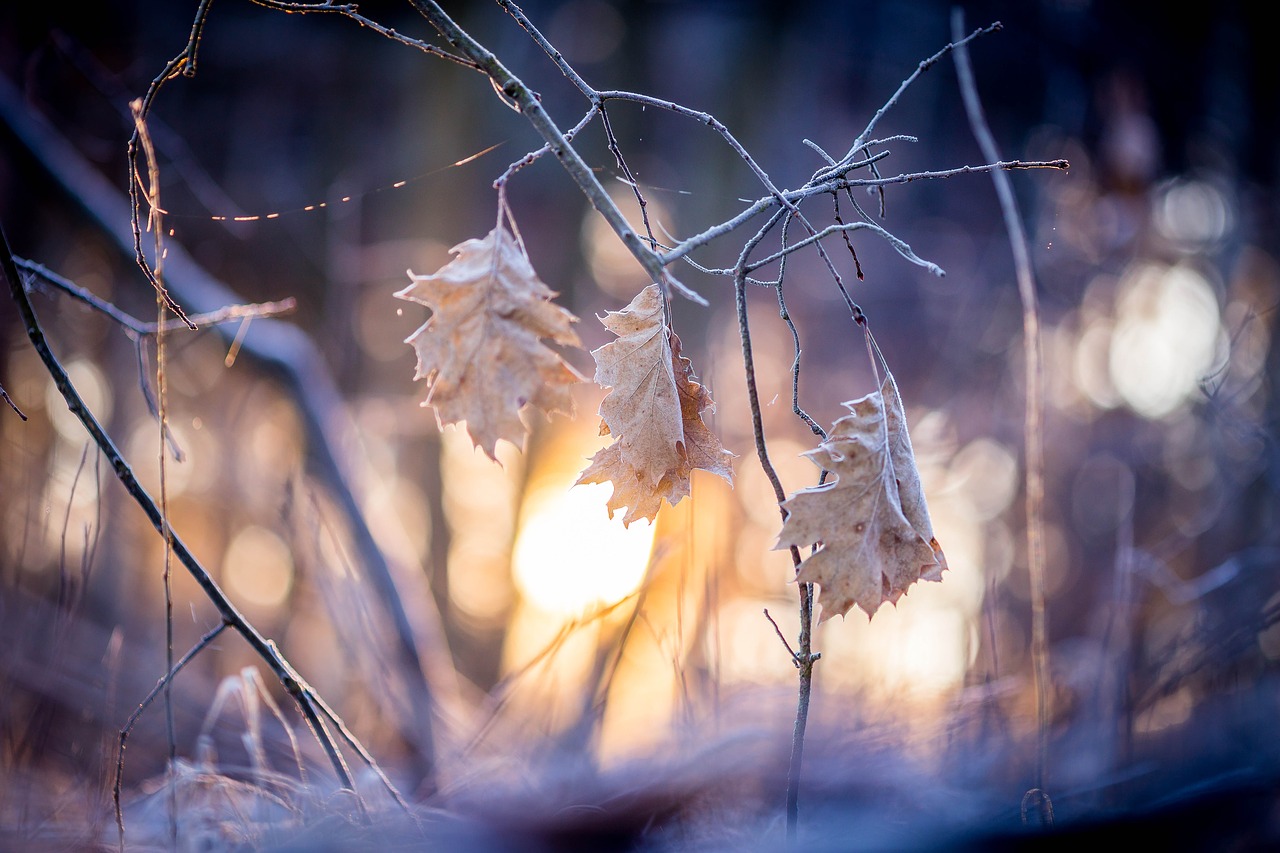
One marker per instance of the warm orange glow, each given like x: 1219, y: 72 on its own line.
x: 570, y: 557
x: 258, y: 567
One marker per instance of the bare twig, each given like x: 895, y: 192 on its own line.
x: 804, y: 657
x: 785, y: 315
x: 514, y: 92
x: 901, y: 247
x: 155, y: 224
x: 290, y: 356
x: 5, y: 396
x: 185, y: 64
x: 302, y: 693
x: 162, y: 684
x: 1033, y: 431
x: 757, y: 207
x: 959, y: 41
x: 794, y: 657
x: 352, y: 11
x: 530, y: 105
x: 135, y: 328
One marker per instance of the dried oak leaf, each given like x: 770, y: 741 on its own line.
x: 654, y: 412
x: 871, y: 525
x: 482, y: 351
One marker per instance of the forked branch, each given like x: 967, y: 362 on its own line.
x: 309, y: 704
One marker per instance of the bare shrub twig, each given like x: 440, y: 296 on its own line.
x: 1033, y: 425
x: 313, y: 710
x: 286, y: 354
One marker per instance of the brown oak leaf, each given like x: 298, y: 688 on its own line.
x: 871, y: 525
x: 482, y: 351
x: 653, y: 411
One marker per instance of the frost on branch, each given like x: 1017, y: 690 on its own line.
x: 871, y: 524
x: 482, y: 351
x: 653, y: 411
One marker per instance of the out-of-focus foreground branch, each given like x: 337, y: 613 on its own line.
x: 291, y: 358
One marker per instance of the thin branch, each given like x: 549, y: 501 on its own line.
x: 155, y: 224
x: 135, y: 327
x: 549, y: 49
x: 529, y: 103
x: 788, y: 200
x: 359, y: 748
x: 901, y: 247
x: 804, y: 656
x: 183, y: 63
x: 293, y: 684
x: 785, y: 315
x: 1033, y: 429
x: 304, y: 8
x: 837, y: 184
x: 813, y: 425
x: 515, y: 93
x: 628, y: 177
x: 529, y: 159
x: 775, y: 194
x: 957, y: 43
x: 5, y: 396
x: 351, y: 10
x: 162, y: 684
x: 285, y: 353
x: 794, y: 657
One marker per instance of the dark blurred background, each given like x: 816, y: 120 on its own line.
x: 1156, y: 259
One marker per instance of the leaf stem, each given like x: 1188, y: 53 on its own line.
x: 530, y: 105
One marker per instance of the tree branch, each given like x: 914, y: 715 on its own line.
x: 530, y: 105
x: 263, y: 647
x: 286, y: 353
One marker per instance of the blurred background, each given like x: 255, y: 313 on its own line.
x: 545, y: 635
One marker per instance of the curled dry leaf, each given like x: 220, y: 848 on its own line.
x: 653, y: 411
x: 871, y: 525
x: 482, y: 351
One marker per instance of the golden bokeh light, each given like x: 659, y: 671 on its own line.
x: 400, y: 518
x: 72, y: 519
x: 94, y: 389
x: 480, y: 499
x: 258, y: 567
x: 918, y: 648
x: 1091, y: 370
x: 199, y: 454
x: 571, y: 558
x: 1165, y: 339
x: 986, y: 473
x: 612, y: 265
